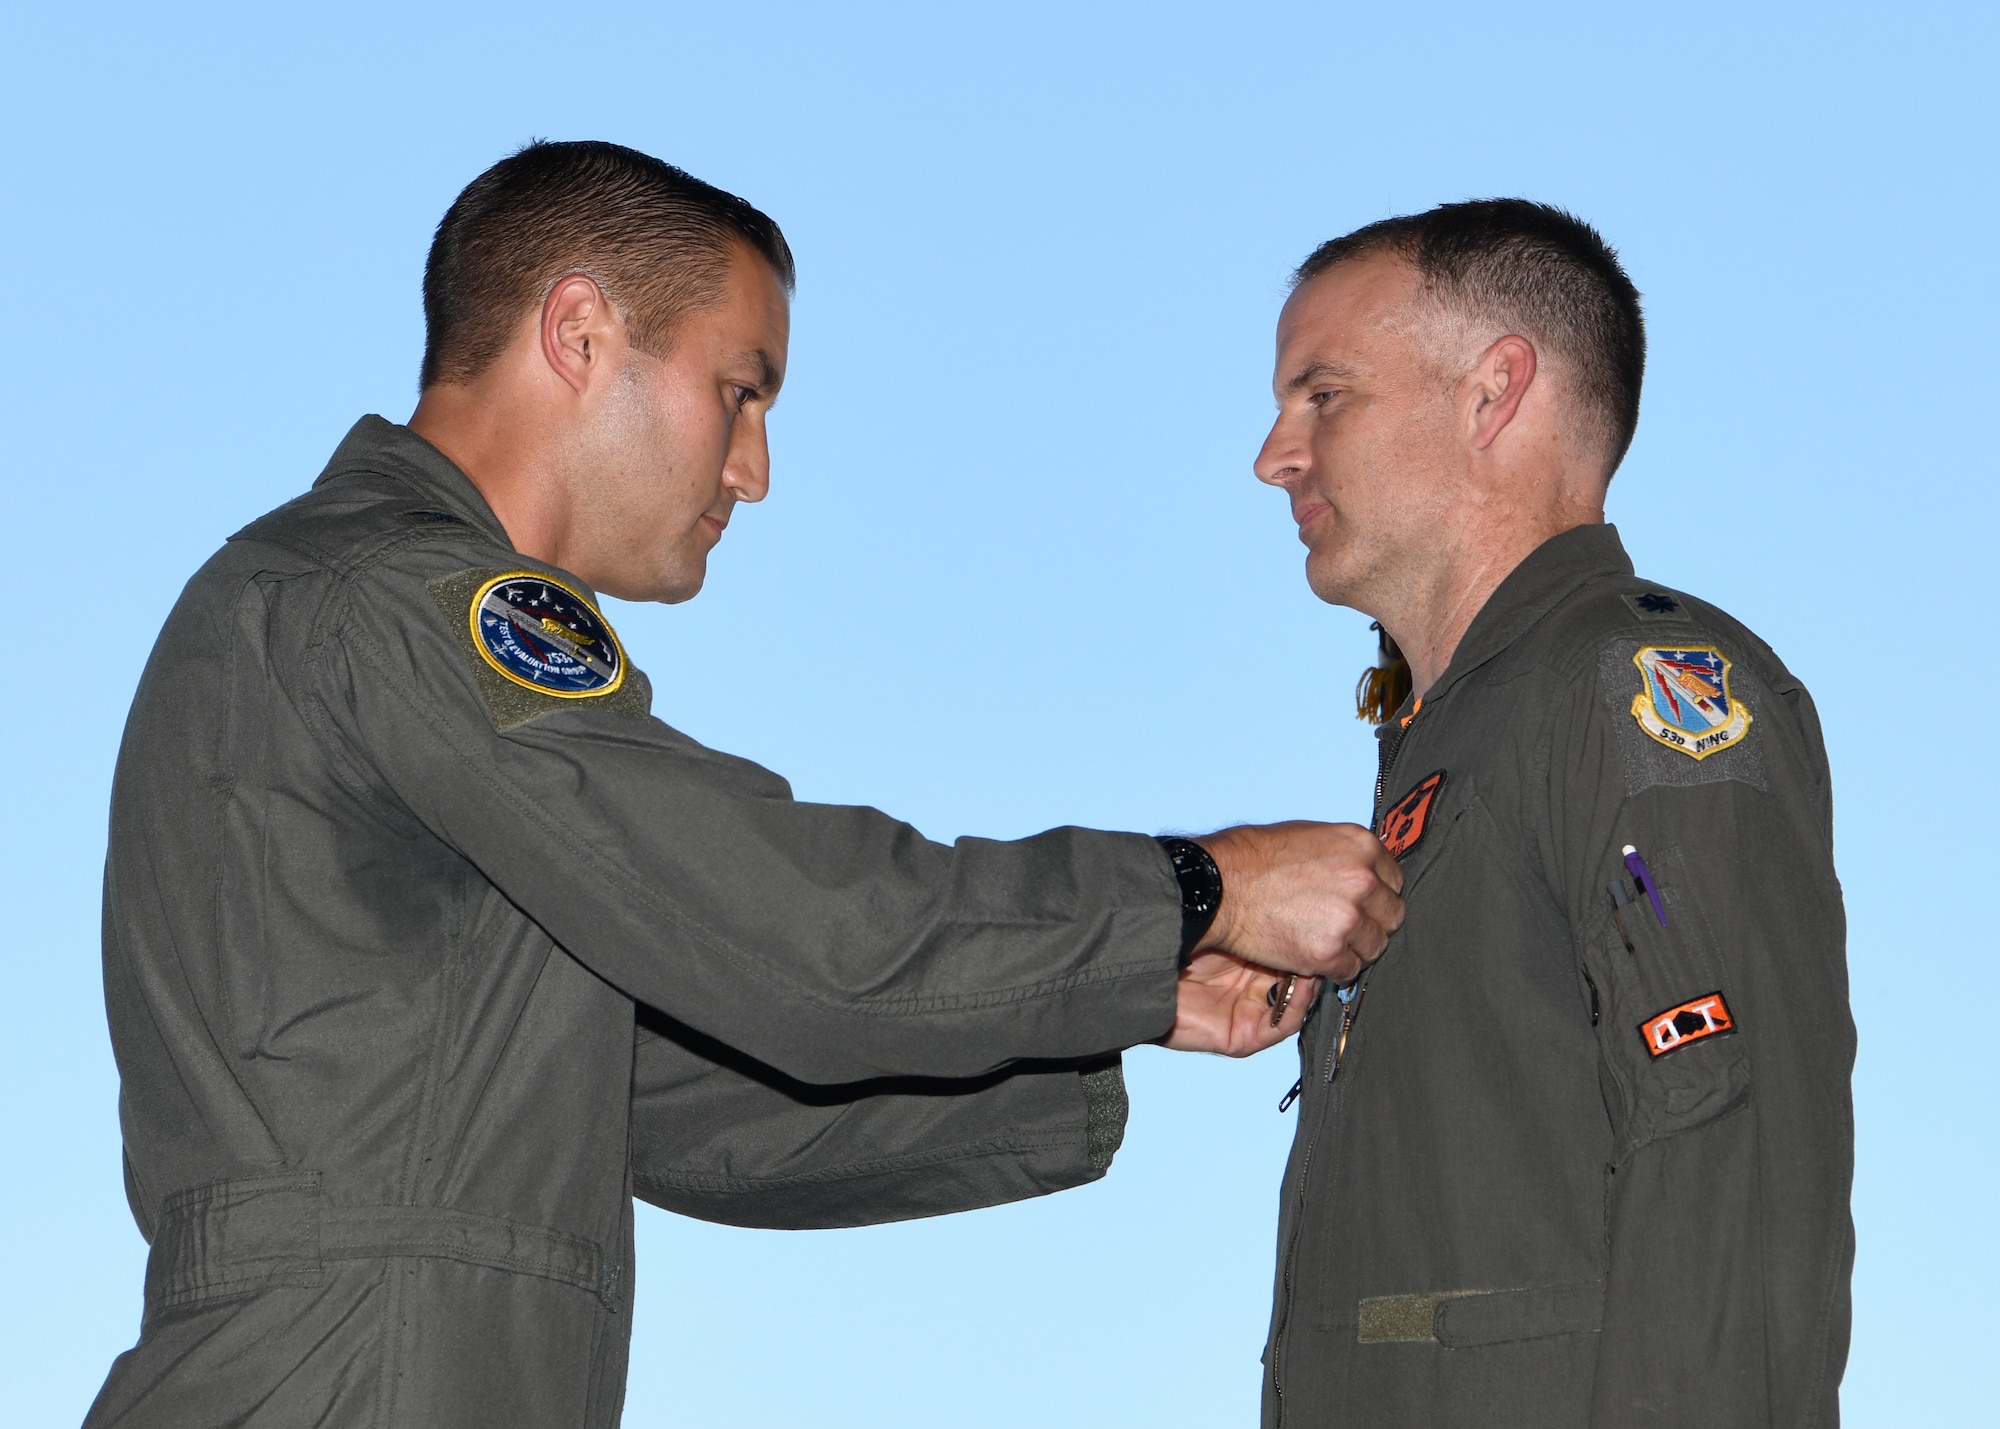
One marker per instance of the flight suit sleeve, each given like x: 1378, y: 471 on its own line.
x: 831, y: 943
x: 722, y: 1138
x: 1713, y: 962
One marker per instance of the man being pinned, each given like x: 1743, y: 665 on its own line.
x: 1577, y: 1150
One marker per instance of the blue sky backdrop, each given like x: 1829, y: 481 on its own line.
x: 1014, y: 570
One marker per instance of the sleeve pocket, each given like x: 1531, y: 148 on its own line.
x: 1648, y: 971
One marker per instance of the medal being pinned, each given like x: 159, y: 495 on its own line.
x: 1684, y: 700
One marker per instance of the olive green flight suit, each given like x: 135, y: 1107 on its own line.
x: 1577, y: 1150
x: 377, y: 920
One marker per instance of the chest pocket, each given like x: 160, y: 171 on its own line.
x: 1419, y: 825
x: 1427, y: 835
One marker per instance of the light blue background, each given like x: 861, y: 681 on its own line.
x: 1014, y: 570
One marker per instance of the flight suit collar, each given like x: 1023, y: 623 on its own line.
x: 378, y: 445
x: 1551, y: 572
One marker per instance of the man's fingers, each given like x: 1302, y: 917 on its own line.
x: 1254, y: 1028
x: 1381, y: 914
x: 1386, y: 867
x: 1224, y: 1004
x: 1308, y: 901
x: 1385, y: 899
x: 1312, y: 899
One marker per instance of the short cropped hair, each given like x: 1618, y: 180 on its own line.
x: 1509, y: 265
x: 657, y: 240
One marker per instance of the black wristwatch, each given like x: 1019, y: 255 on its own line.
x: 1201, y: 890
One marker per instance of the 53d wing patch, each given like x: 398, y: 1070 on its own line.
x: 1684, y: 700
x: 537, y: 645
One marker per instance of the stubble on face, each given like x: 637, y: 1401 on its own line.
x: 653, y: 467
x: 678, y: 440
x: 1365, y: 431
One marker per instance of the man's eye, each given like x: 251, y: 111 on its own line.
x: 744, y: 395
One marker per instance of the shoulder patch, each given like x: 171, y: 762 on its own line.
x: 1684, y: 700
x: 1650, y: 761
x: 1406, y: 821
x: 537, y: 645
x: 1692, y: 1021
x: 544, y: 636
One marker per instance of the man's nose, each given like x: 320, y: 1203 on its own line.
x: 747, y: 473
x: 1283, y: 458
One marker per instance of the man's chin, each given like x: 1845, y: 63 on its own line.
x: 1326, y: 582
x: 658, y: 587
x: 682, y: 588
x: 1349, y: 595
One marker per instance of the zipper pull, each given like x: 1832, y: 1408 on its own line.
x: 1291, y: 1096
x: 1350, y: 1008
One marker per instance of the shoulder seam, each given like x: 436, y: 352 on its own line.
x: 372, y: 550
x: 365, y: 551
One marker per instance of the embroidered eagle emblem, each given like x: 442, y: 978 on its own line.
x: 1684, y: 700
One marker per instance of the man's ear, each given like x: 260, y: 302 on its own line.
x: 1499, y: 381
x: 578, y: 326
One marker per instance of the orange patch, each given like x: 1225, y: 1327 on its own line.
x: 1704, y: 1016
x: 1403, y: 826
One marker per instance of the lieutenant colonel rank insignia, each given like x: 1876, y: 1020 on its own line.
x: 1685, y: 702
x: 543, y: 636
x: 1409, y: 818
x: 1695, y: 1019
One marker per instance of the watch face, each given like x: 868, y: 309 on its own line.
x: 1200, y: 880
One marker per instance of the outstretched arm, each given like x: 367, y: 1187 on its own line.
x: 720, y: 1137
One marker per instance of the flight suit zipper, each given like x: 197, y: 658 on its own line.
x: 1385, y: 756
x: 1350, y: 1010
x: 1279, y: 1332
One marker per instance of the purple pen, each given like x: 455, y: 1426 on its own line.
x: 1644, y: 876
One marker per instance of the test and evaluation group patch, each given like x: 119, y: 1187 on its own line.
x: 540, y: 634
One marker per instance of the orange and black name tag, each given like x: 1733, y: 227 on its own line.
x: 1409, y: 818
x: 1695, y: 1019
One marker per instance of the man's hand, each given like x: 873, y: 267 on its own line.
x: 1316, y: 899
x: 1224, y: 1004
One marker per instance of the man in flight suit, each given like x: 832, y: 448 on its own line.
x: 1577, y: 1150
x: 426, y: 944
